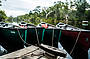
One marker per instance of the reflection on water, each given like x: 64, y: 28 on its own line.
x: 89, y: 53
x: 60, y: 47
x: 2, y: 50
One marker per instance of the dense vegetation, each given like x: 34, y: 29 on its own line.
x: 73, y: 12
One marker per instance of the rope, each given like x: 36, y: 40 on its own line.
x: 22, y: 38
x: 37, y: 36
x: 59, y: 35
x: 75, y: 43
x: 52, y: 36
x: 43, y: 34
x: 26, y: 36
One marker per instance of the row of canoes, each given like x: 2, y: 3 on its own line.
x: 73, y: 39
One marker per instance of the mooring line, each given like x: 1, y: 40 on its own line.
x: 22, y: 38
x: 52, y: 36
x: 37, y: 36
x: 75, y: 43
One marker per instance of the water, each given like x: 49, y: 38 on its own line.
x: 60, y: 47
x: 2, y: 50
x: 89, y: 53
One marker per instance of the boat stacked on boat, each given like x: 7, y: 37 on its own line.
x: 17, y: 36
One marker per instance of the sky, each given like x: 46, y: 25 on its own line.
x: 20, y: 7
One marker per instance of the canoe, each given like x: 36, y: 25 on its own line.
x: 75, y: 40
x: 53, y: 51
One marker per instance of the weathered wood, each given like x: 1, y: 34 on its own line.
x: 53, y: 51
x: 31, y: 52
x: 20, y: 53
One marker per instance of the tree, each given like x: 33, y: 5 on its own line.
x: 30, y: 13
x: 37, y: 9
x: 2, y: 15
x: 81, y: 6
x: 59, y: 12
x: 87, y: 13
x: 10, y: 19
x: 0, y: 3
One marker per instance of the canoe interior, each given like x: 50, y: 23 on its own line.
x: 11, y: 41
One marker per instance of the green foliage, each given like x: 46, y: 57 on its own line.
x: 87, y: 13
x: 10, y: 19
x: 74, y: 11
x: 2, y: 16
x: 81, y: 7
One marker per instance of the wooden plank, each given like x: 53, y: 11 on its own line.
x: 19, y: 53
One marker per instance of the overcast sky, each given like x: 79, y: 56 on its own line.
x: 21, y: 7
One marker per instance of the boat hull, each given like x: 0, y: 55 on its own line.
x: 10, y: 39
x: 69, y: 38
